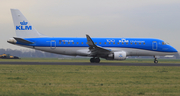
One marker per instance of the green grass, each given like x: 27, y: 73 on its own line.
x: 87, y: 60
x: 62, y: 80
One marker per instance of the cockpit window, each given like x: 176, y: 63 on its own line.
x: 164, y: 43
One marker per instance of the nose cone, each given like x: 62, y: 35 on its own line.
x: 172, y: 49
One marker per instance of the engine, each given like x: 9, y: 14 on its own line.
x: 117, y: 56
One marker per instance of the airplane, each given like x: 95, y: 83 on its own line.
x: 107, y: 48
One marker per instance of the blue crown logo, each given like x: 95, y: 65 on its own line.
x: 23, y: 23
x: 120, y: 55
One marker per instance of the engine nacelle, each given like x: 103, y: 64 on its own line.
x: 117, y: 56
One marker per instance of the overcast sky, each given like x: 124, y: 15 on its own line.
x: 98, y: 18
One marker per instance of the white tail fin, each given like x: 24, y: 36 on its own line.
x: 23, y: 27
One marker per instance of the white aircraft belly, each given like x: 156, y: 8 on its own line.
x: 140, y: 52
x: 84, y: 51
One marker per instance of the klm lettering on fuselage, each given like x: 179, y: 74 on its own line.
x: 23, y: 26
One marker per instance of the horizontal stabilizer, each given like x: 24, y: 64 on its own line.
x: 20, y: 40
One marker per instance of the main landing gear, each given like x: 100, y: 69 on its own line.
x: 94, y: 60
x: 155, y: 60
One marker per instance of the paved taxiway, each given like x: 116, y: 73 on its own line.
x: 87, y: 63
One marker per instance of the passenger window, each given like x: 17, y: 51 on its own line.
x: 131, y: 43
x: 139, y: 43
x: 126, y: 42
x: 135, y: 43
x: 122, y: 42
x: 64, y: 42
x: 113, y: 42
x: 95, y: 42
x: 72, y: 42
x: 68, y: 42
x: 86, y: 42
x: 109, y: 42
x: 104, y: 42
x: 144, y: 43
x: 59, y: 41
x: 99, y: 42
x: 77, y: 42
x: 118, y: 43
x: 81, y: 42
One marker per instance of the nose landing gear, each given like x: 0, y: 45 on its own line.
x: 95, y: 60
x: 155, y: 60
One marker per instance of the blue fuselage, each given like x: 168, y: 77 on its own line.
x: 135, y: 43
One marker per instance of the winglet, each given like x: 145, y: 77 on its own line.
x: 95, y: 48
x: 90, y: 42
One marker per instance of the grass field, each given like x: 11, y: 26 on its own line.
x: 87, y: 60
x: 63, y: 80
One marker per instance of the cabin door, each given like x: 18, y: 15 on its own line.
x: 154, y: 45
x: 53, y: 44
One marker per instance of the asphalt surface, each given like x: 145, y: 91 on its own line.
x: 87, y: 63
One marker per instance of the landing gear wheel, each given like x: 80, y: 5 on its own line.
x: 155, y: 61
x: 94, y: 60
x: 97, y: 60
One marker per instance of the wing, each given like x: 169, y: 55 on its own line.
x: 96, y: 51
